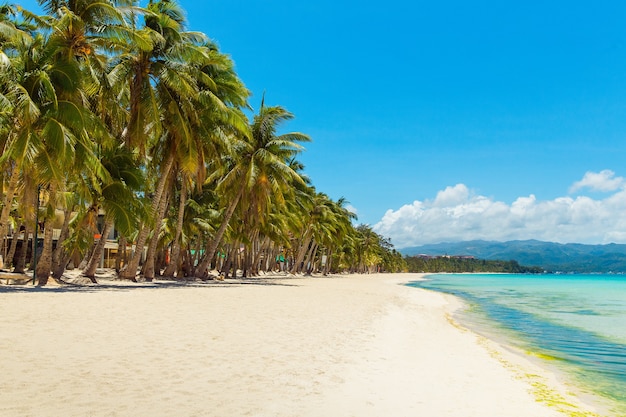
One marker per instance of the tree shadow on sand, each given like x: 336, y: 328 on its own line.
x: 24, y: 284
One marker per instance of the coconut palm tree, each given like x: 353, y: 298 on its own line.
x: 210, y: 116
x: 16, y: 108
x: 262, y: 165
x: 343, y: 219
x: 150, y: 70
x: 53, y: 128
x: 118, y: 200
x: 169, y: 95
x: 48, y: 129
x: 90, y: 80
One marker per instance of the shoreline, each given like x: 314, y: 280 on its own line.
x: 511, y: 342
x: 549, y: 386
x: 363, y: 345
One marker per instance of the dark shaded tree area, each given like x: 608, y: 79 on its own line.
x: 459, y: 264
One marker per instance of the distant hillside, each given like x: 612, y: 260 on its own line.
x: 571, y: 257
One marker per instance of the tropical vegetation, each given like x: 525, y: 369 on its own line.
x: 459, y: 264
x: 117, y: 121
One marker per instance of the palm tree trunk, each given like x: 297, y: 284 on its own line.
x: 20, y: 265
x: 261, y: 250
x: 253, y: 256
x: 9, y: 261
x: 60, y: 258
x: 94, y: 261
x: 302, y: 250
x: 28, y: 202
x: 329, y: 257
x: 121, y: 253
x: 83, y: 263
x: 245, y: 262
x: 175, y: 255
x: 148, y: 268
x: 186, y: 266
x: 310, y: 256
x: 231, y: 262
x: 7, y: 203
x: 266, y: 251
x: 44, y: 265
x: 272, y: 254
x: 203, y: 268
x: 129, y: 271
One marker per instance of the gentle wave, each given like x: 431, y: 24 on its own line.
x: 574, y: 320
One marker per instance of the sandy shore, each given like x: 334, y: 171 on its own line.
x: 341, y: 346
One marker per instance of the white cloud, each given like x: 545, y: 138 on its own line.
x: 451, y: 196
x: 456, y: 214
x: 599, y: 181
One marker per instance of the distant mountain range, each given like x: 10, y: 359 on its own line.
x: 554, y: 257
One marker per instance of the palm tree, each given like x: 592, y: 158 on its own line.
x: 149, y: 69
x: 262, y: 165
x: 117, y: 199
x: 208, y: 117
x: 337, y: 226
x: 16, y: 107
x: 56, y: 75
x: 168, y: 97
x: 46, y: 121
x: 89, y: 82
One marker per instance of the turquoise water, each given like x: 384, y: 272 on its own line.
x: 579, y: 320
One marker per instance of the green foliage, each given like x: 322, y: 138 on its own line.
x: 124, y: 109
x: 466, y: 264
x: 365, y: 251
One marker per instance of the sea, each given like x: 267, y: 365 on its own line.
x: 575, y: 323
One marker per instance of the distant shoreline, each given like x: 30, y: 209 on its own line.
x: 550, y: 256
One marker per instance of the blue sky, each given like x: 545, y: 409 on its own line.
x: 411, y: 102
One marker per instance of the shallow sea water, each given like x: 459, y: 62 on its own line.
x: 577, y: 321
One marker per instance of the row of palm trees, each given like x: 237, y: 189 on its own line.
x: 115, y: 109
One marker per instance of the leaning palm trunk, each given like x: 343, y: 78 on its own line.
x: 186, y: 265
x: 252, y: 257
x: 262, y: 250
x: 309, y: 258
x: 272, y: 251
x: 44, y: 265
x: 246, y: 262
x: 148, y: 268
x: 60, y: 258
x: 11, y: 255
x: 203, y: 268
x: 231, y: 262
x: 121, y: 253
x: 272, y: 254
x: 129, y: 271
x: 329, y: 257
x: 61, y: 265
x: 8, y: 199
x: 94, y: 261
x: 29, y: 198
x: 20, y: 264
x: 302, y: 250
x: 83, y: 263
x: 172, y: 268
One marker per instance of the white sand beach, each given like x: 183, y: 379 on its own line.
x: 361, y: 345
